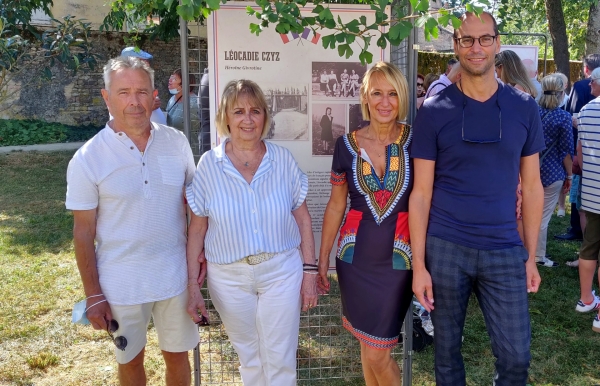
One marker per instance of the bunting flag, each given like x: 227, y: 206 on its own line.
x: 307, y: 34
x: 286, y: 38
x: 315, y: 37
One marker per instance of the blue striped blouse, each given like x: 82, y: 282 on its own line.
x: 246, y: 219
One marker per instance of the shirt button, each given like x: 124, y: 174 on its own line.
x: 143, y: 164
x: 253, y: 210
x: 120, y: 134
x: 258, y: 251
x: 256, y: 231
x: 131, y: 148
x: 145, y: 182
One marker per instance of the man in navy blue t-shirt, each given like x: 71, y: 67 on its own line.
x: 471, y: 142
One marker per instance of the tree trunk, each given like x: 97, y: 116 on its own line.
x: 558, y: 32
x: 592, y: 36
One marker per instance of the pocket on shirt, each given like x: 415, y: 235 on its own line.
x: 171, y: 170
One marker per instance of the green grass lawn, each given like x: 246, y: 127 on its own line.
x: 39, y: 283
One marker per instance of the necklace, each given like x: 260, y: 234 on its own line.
x: 377, y: 141
x: 247, y: 164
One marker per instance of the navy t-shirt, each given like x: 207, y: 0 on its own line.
x: 474, y: 190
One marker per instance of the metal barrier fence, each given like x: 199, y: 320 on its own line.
x: 326, y: 351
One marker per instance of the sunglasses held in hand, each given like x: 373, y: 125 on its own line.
x: 120, y: 341
x: 203, y: 321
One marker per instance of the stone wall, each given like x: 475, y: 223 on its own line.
x: 75, y: 99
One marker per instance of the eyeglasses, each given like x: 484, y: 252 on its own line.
x: 120, y: 341
x: 470, y: 140
x: 419, y: 84
x: 484, y: 41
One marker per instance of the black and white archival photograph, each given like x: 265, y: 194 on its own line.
x: 355, y: 118
x: 328, y: 124
x: 288, y: 107
x: 337, y: 80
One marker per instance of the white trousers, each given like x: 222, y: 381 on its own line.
x: 551, y: 193
x: 260, y: 308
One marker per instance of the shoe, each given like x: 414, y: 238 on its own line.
x: 596, y: 324
x: 560, y: 213
x: 569, y: 237
x: 546, y: 262
x: 582, y: 307
x: 572, y: 264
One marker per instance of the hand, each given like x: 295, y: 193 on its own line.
x: 308, y: 291
x: 196, y: 303
x: 201, y: 257
x: 567, y: 186
x: 156, y: 104
x: 533, y: 276
x: 574, y: 121
x: 323, y: 285
x: 422, y: 288
x: 202, y: 274
x: 98, y: 315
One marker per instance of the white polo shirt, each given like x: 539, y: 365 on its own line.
x: 588, y: 125
x: 141, y: 222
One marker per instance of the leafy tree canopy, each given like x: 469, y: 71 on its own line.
x: 530, y: 16
x: 286, y: 16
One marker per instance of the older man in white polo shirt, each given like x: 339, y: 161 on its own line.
x: 125, y: 188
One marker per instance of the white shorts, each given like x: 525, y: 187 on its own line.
x: 175, y: 329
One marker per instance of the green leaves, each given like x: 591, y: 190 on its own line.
x: 400, y: 31
x: 344, y: 49
x: 346, y: 36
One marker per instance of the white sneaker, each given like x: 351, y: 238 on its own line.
x: 582, y: 307
x: 560, y: 213
x: 596, y: 324
x: 546, y: 262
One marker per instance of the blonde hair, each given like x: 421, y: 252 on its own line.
x: 563, y: 77
x: 514, y: 71
x: 554, y: 85
x: 395, y: 78
x: 233, y: 91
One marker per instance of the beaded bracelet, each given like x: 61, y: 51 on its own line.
x: 94, y: 296
x: 312, y: 273
x: 309, y: 265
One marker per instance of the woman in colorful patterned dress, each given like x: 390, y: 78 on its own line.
x: 373, y: 263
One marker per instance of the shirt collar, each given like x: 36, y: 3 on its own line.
x: 220, y: 151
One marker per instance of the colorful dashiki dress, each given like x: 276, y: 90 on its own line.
x: 374, y: 257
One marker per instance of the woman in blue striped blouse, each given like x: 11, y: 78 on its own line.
x: 252, y: 225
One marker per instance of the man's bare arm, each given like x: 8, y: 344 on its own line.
x: 418, y: 219
x: 532, y: 207
x: 84, y: 233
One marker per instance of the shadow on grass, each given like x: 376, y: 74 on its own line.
x: 33, y: 218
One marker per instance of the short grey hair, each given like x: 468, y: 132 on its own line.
x: 595, y: 76
x: 126, y: 62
